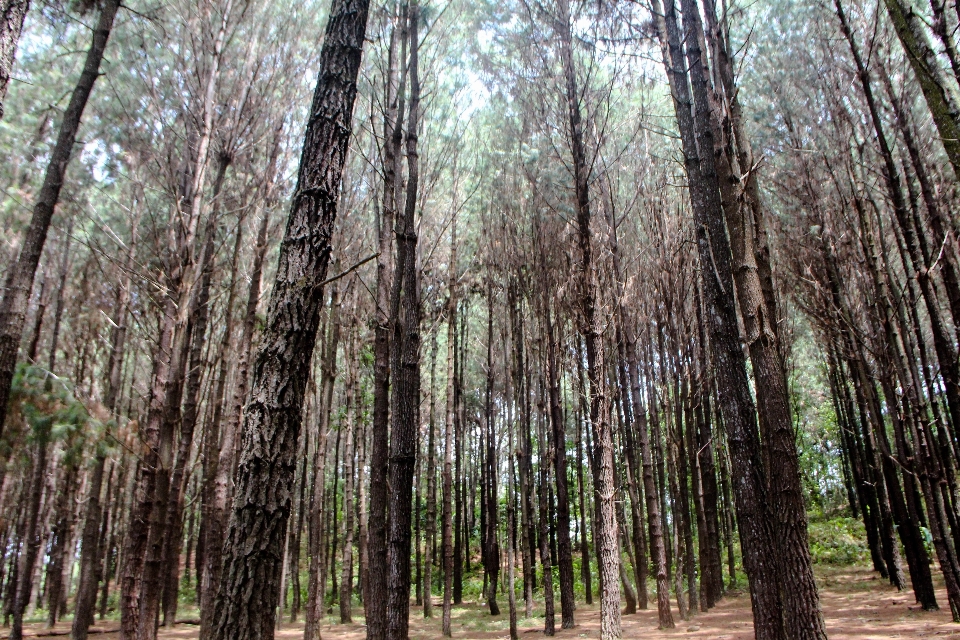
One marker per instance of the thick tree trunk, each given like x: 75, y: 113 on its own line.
x: 249, y: 586
x: 757, y: 536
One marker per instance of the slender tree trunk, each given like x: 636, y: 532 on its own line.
x: 564, y: 548
x: 491, y: 548
x: 20, y: 277
x: 606, y: 535
x: 544, y: 517
x: 215, y: 523
x: 315, y: 577
x: 378, y: 516
x: 448, y: 432
x: 32, y: 537
x: 431, y: 521
x: 346, y: 580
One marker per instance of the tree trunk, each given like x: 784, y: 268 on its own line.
x: 491, y: 549
x: 378, y: 517
x: 606, y: 535
x: 14, y: 11
x: 406, y: 390
x: 448, y: 432
x: 564, y: 548
x: 346, y: 580
x: 215, y: 521
x: 19, y: 282
x: 254, y: 541
x: 757, y: 536
x: 431, y: 523
x: 328, y: 372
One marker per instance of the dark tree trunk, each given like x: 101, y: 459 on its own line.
x: 406, y: 390
x: 249, y: 586
x: 378, y: 517
x: 739, y: 414
x: 564, y: 548
x: 491, y: 548
x: 544, y: 526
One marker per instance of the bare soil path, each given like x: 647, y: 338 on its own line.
x: 857, y: 604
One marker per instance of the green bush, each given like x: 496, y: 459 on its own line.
x: 838, y: 541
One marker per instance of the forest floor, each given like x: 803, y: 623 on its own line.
x: 857, y: 605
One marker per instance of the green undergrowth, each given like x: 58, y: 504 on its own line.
x: 838, y: 541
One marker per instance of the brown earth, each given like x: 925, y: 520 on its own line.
x: 857, y: 605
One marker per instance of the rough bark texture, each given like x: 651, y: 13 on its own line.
x: 376, y: 601
x: 406, y: 389
x: 11, y: 24
x: 250, y: 582
x: 736, y: 404
x: 606, y: 535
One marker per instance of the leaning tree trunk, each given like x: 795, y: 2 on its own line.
x: 11, y: 24
x: 737, y: 407
x: 16, y: 292
x: 800, y: 599
x: 250, y: 582
x: 939, y: 90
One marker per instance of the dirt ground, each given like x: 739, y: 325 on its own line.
x: 857, y: 605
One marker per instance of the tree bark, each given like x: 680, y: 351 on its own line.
x: 379, y: 450
x: 249, y: 586
x: 406, y: 390
x: 606, y: 535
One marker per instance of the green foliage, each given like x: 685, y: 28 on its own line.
x: 50, y: 411
x: 838, y: 541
